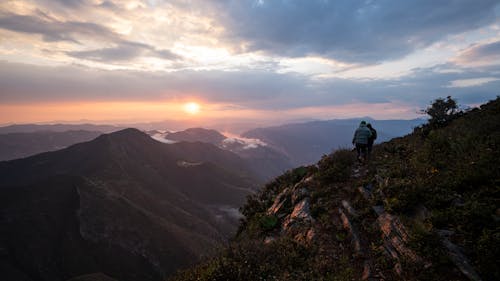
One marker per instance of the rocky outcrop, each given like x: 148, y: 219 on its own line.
x: 348, y: 225
x: 292, y: 208
x: 394, y: 234
x: 457, y: 256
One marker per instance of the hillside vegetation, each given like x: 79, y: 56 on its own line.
x: 426, y: 207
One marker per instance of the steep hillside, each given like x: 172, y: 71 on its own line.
x: 305, y: 143
x: 19, y: 145
x: 123, y: 205
x: 426, y: 207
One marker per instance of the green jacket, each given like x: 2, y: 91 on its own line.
x: 362, y: 135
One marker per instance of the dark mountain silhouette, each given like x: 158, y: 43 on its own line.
x: 30, y: 128
x: 197, y: 134
x: 265, y: 162
x: 123, y: 205
x: 305, y: 143
x: 425, y: 207
x: 19, y: 145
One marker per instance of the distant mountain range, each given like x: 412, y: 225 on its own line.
x: 18, y: 141
x: 265, y: 162
x: 305, y: 143
x: 268, y: 151
x: 30, y: 128
x: 19, y: 145
x: 121, y: 201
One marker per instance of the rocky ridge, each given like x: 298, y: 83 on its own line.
x: 425, y: 207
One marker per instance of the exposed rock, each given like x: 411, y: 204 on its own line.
x: 359, y: 172
x: 305, y: 236
x: 311, y: 234
x: 366, y: 271
x: 280, y: 201
x: 456, y: 255
x: 349, y: 208
x: 395, y: 237
x: 308, y: 179
x: 301, y: 212
x: 398, y: 268
x: 299, y: 194
x: 346, y: 223
x: 269, y: 239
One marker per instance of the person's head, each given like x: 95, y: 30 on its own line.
x: 369, y: 125
x: 362, y: 124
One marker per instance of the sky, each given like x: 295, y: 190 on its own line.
x: 243, y: 60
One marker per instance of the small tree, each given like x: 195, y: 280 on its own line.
x: 442, y: 111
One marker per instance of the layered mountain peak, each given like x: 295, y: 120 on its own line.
x: 197, y: 134
x: 265, y: 162
x: 122, y: 204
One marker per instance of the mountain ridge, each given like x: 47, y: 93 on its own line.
x: 424, y: 208
x: 120, y: 194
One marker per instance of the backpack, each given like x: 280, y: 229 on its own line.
x: 374, y: 134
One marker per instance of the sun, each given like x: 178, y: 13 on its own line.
x: 192, y: 108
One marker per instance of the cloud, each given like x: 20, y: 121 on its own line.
x: 235, y: 53
x: 349, y: 30
x: 54, y: 30
x: 249, y: 89
x: 125, y: 51
x: 471, y: 82
x: 480, y: 55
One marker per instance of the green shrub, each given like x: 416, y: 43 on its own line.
x: 268, y: 222
x: 336, y: 167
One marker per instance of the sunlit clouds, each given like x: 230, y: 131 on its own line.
x: 145, y: 60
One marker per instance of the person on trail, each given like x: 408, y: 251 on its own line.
x: 360, y: 139
x: 371, y: 139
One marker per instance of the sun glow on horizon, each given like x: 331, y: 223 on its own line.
x: 192, y: 108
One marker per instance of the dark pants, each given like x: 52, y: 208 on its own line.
x: 370, y: 146
x: 361, y: 150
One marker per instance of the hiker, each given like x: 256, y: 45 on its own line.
x: 360, y: 139
x: 371, y: 139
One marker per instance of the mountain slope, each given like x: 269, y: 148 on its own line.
x: 424, y: 208
x: 121, y: 201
